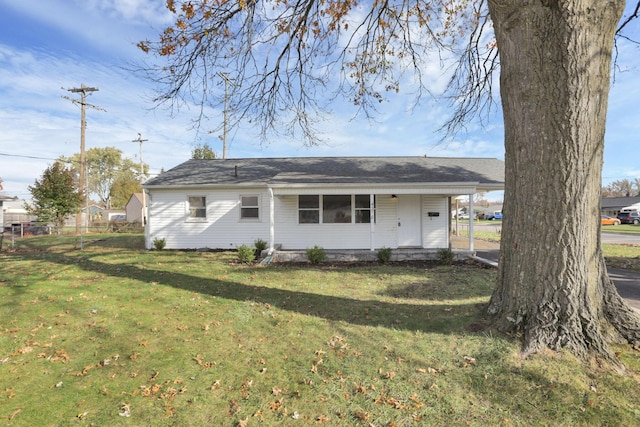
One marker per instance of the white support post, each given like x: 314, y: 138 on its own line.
x: 372, y: 200
x: 272, y: 221
x: 471, y: 221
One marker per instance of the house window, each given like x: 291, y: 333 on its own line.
x: 336, y: 209
x: 250, y: 207
x: 309, y: 209
x: 197, y: 207
x: 363, y: 209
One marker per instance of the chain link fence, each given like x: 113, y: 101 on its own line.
x: 14, y: 233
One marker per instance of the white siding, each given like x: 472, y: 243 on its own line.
x: 435, y: 229
x: 222, y: 229
x: 292, y: 235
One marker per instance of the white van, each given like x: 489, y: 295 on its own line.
x: 633, y: 208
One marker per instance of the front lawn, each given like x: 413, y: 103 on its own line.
x: 115, y: 335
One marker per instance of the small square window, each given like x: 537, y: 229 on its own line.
x: 308, y: 209
x: 250, y: 207
x: 197, y: 207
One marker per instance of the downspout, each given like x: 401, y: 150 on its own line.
x: 471, y: 221
x: 272, y: 221
x: 372, y: 201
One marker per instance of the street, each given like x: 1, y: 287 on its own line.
x: 626, y: 281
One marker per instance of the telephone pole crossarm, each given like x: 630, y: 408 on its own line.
x: 143, y: 218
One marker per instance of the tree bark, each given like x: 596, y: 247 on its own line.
x: 555, y: 59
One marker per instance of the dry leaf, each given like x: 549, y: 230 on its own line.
x: 14, y: 414
x: 275, y: 406
x: 126, y: 410
x: 276, y: 391
x: 198, y: 359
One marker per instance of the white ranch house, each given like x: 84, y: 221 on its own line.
x: 337, y: 203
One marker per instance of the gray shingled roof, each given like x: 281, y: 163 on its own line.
x: 329, y: 170
x: 619, y: 202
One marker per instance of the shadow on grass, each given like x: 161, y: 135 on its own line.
x: 434, y: 318
x: 66, y: 242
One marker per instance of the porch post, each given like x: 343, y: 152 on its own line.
x: 471, y: 221
x: 372, y: 229
x: 272, y: 221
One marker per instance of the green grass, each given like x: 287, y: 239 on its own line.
x: 619, y: 256
x: 622, y: 229
x: 115, y: 335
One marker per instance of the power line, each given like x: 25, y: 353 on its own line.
x: 26, y: 157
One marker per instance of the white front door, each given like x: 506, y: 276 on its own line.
x: 409, y: 224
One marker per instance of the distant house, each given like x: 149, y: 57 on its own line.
x: 2, y: 200
x: 134, y: 208
x: 297, y: 203
x: 611, y: 206
x: 13, y: 211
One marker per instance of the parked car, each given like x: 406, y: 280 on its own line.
x: 493, y: 215
x: 629, y: 217
x: 607, y: 220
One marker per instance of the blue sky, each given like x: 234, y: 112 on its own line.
x: 49, y: 46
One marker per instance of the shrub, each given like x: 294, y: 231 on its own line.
x: 384, y: 255
x: 316, y: 255
x: 260, y: 245
x: 159, y: 244
x: 246, y: 254
x: 446, y: 256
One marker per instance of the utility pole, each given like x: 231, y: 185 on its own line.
x: 227, y: 82
x: 143, y: 216
x: 82, y: 102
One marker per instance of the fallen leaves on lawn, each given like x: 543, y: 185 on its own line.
x: 198, y: 359
x: 276, y: 406
x: 467, y: 361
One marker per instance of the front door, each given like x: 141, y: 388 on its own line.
x: 409, y: 225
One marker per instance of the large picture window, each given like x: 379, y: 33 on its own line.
x: 250, y: 207
x: 197, y: 207
x: 336, y: 209
x: 309, y: 209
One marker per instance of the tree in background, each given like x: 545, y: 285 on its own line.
x: 55, y: 196
x: 104, y: 167
x: 554, y: 62
x: 203, y: 152
x: 123, y: 187
x: 622, y: 188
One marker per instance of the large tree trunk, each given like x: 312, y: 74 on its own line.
x: 555, y: 58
